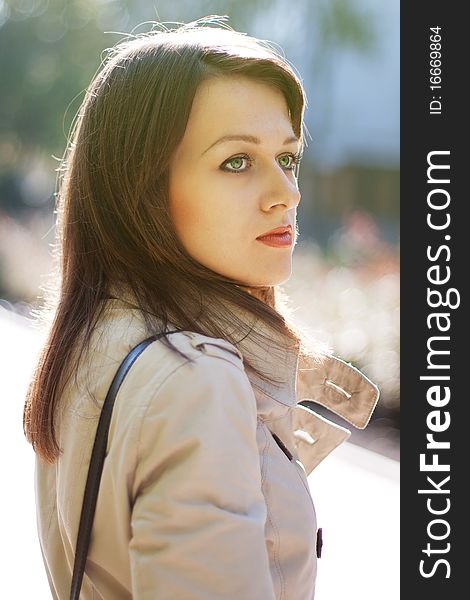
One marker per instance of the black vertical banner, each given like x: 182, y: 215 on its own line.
x: 435, y: 237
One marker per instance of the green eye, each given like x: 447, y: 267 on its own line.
x: 236, y: 163
x: 285, y: 161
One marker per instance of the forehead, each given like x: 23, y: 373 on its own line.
x: 231, y: 105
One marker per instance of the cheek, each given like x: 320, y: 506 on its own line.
x: 182, y: 213
x: 185, y: 208
x: 200, y: 222
x: 203, y: 214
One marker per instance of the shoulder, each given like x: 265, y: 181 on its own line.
x: 191, y: 396
x: 122, y: 330
x: 185, y: 347
x: 214, y: 348
x: 165, y: 391
x: 202, y: 365
x: 205, y: 362
x: 189, y: 358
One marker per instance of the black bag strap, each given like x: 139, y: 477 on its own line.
x: 95, y: 469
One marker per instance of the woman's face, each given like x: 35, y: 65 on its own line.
x: 232, y: 180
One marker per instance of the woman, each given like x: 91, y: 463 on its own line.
x: 177, y: 213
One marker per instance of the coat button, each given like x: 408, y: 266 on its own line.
x: 319, y: 541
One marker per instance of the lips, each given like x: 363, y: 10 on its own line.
x: 280, y: 237
x: 277, y: 231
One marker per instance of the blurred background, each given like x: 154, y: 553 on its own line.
x: 345, y: 287
x: 346, y: 275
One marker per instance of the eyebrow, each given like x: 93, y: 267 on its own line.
x: 245, y: 138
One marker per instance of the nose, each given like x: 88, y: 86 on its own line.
x: 280, y: 189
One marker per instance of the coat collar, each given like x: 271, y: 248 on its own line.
x: 326, y: 379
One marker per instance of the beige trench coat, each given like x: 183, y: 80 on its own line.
x: 204, y: 493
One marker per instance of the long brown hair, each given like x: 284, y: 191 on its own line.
x: 114, y: 230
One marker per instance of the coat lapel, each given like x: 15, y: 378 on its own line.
x: 325, y: 380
